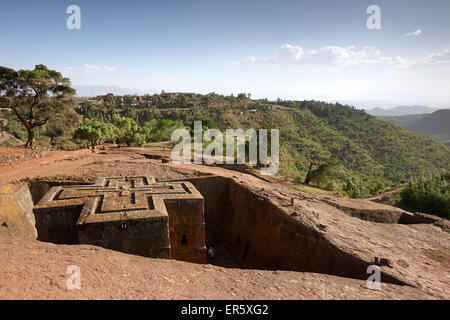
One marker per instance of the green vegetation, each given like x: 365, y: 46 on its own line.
x: 430, y: 195
x: 95, y: 132
x: 156, y: 131
x: 56, y: 133
x: 326, y: 173
x: 330, y: 146
x: 125, y: 130
x: 367, y: 155
x: 373, y: 155
x: 13, y: 126
x: 435, y: 125
x: 310, y: 189
x: 34, y: 96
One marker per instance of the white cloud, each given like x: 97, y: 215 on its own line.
x: 414, y: 33
x: 287, y: 54
x: 91, y: 69
x: 336, y: 56
x: 344, y: 57
x: 330, y: 56
x: 108, y: 68
x: 442, y: 57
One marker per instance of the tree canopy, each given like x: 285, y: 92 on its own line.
x: 94, y: 132
x: 429, y: 195
x: 34, y: 96
x: 125, y: 130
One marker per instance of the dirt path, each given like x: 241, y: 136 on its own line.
x: 53, y: 162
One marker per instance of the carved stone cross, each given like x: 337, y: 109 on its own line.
x: 129, y: 214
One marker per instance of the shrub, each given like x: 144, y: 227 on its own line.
x: 140, y: 139
x: 16, y: 129
x: 94, y: 132
x: 430, y: 195
x: 352, y: 189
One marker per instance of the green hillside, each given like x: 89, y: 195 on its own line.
x: 373, y: 155
x: 435, y: 125
x: 373, y: 152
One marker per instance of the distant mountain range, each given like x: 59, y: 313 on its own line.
x: 92, y: 91
x: 401, y: 111
x: 435, y: 125
x: 390, y: 104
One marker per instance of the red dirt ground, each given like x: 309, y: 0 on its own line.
x: 37, y: 270
x: 33, y: 269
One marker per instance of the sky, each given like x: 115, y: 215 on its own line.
x: 312, y: 49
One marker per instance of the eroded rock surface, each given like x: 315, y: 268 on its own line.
x: 38, y: 270
x: 16, y: 210
x: 418, y: 253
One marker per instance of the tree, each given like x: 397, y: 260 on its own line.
x: 351, y: 189
x: 182, y: 101
x: 207, y: 123
x: 206, y: 100
x: 428, y: 195
x: 94, y: 132
x: 310, y: 171
x: 127, y: 129
x: 140, y: 139
x: 242, y: 96
x: 156, y: 131
x: 325, y: 172
x: 34, y: 96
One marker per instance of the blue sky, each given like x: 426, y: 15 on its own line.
x: 313, y: 49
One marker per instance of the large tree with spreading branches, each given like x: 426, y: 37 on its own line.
x: 34, y: 96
